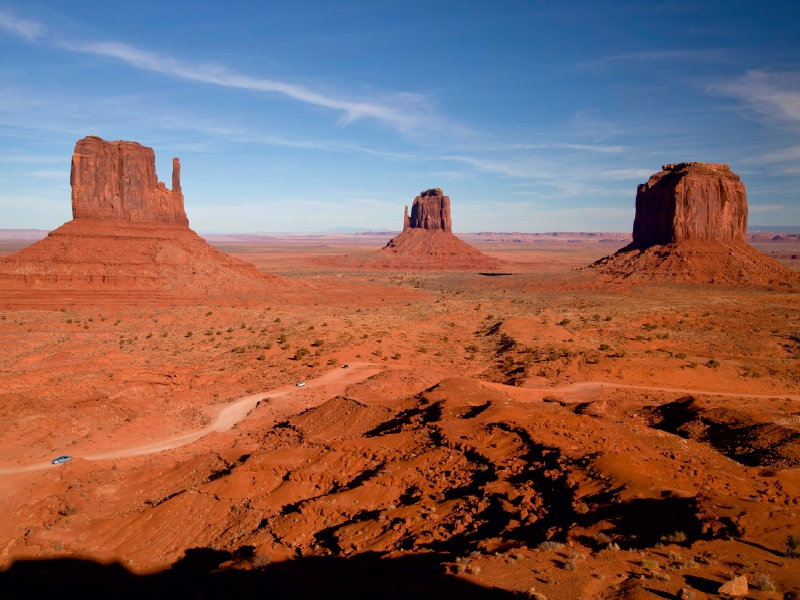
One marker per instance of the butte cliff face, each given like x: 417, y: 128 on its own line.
x: 690, y: 201
x: 690, y: 226
x: 427, y: 240
x: 129, y: 243
x: 117, y: 180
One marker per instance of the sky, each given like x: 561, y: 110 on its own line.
x: 302, y: 115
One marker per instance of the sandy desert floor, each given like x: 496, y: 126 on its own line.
x: 538, y: 428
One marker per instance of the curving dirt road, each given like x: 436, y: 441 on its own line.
x: 223, y: 418
x: 228, y: 416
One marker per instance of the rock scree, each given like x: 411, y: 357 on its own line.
x: 427, y: 240
x: 690, y: 227
x: 129, y: 243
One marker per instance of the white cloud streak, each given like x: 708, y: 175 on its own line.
x: 775, y: 95
x: 27, y: 29
x: 404, y: 111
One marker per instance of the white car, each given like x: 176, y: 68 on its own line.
x: 301, y: 383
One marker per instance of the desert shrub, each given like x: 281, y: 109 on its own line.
x: 397, y: 356
x: 582, y: 508
x: 548, y: 545
x: 605, y: 347
x: 260, y: 561
x: 311, y: 328
x: 793, y: 546
x: 675, y: 538
x: 613, y: 546
x: 649, y: 564
x: 229, y: 330
x: 713, y: 363
x: 681, y: 355
x: 763, y: 583
x: 188, y: 334
x: 91, y: 320
x: 301, y: 352
x: 209, y: 313
x: 423, y: 350
x: 608, y: 319
x: 267, y: 347
x: 68, y: 510
x: 165, y: 334
x: 149, y: 335
x: 564, y: 322
x: 262, y: 357
x: 318, y: 343
x: 660, y: 576
x: 333, y: 362
x: 68, y: 321
x: 209, y: 332
x: 85, y: 327
x: 690, y: 564
x: 601, y: 538
x: 570, y: 564
x: 239, y: 349
x: 277, y: 320
x: 282, y: 339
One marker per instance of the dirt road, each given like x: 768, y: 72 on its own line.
x: 225, y: 417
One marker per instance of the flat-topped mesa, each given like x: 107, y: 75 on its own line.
x: 690, y: 201
x: 431, y: 211
x: 117, y: 180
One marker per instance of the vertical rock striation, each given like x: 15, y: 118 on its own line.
x: 117, y: 180
x: 431, y: 211
x: 690, y: 201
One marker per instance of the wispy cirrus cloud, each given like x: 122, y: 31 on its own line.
x: 30, y: 30
x: 627, y: 174
x: 775, y: 95
x: 405, y: 111
x: 710, y: 56
x: 588, y: 147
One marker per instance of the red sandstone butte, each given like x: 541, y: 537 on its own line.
x: 427, y: 240
x: 690, y: 201
x: 129, y: 243
x: 690, y: 226
x: 117, y: 180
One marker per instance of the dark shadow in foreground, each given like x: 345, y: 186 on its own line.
x: 197, y: 575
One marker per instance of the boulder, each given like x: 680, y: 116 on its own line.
x: 117, y: 180
x: 735, y: 587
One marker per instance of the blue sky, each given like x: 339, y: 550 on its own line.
x: 306, y: 115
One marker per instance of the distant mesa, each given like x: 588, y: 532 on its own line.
x: 128, y: 244
x: 691, y: 226
x: 427, y: 240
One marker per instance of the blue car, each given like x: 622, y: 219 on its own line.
x: 60, y: 460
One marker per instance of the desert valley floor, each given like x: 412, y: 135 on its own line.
x: 535, y: 429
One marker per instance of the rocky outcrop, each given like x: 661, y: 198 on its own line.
x: 690, y: 226
x: 690, y: 201
x: 117, y: 180
x: 427, y: 240
x: 129, y: 243
x: 431, y: 211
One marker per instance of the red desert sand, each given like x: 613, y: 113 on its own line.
x: 550, y: 433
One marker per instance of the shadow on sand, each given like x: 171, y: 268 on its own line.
x: 197, y: 575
